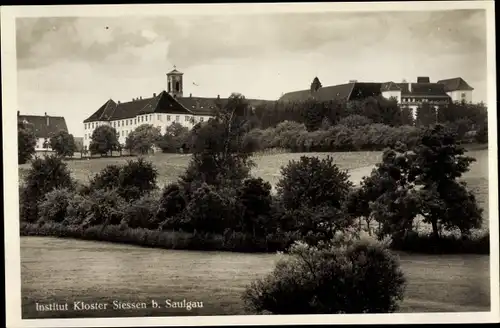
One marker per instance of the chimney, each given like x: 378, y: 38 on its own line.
x: 353, y: 81
x: 47, y: 119
x: 423, y: 79
x: 18, y: 113
x: 118, y: 102
x: 218, y: 96
x: 140, y: 97
x: 409, y: 86
x: 190, y: 95
x: 154, y: 94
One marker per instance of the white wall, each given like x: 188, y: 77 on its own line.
x: 457, y: 95
x: 395, y: 94
x: 39, y: 144
x: 126, y: 126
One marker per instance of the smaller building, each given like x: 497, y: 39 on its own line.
x: 457, y: 89
x: 44, y: 126
x: 353, y: 90
x: 413, y: 94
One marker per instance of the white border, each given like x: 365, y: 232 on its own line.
x: 11, y: 198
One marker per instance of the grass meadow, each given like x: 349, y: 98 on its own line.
x: 64, y: 270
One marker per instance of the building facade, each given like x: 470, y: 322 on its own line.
x: 160, y: 110
x: 409, y: 94
x: 414, y: 94
x: 457, y: 89
x: 44, y: 126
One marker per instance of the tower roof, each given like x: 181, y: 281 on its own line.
x: 174, y: 72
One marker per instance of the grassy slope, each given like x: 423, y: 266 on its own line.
x: 129, y: 273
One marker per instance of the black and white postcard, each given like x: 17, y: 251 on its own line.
x: 214, y: 164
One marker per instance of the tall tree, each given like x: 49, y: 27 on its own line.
x: 426, y: 115
x: 26, y: 142
x: 62, y: 143
x: 220, y: 156
x: 104, y: 140
x: 143, y: 138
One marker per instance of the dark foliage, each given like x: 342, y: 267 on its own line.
x: 26, y: 142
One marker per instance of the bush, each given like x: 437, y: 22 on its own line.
x: 108, y: 178
x: 104, y: 207
x: 210, y: 210
x: 172, y: 202
x: 448, y: 243
x: 141, y: 213
x: 349, y: 276
x: 312, y: 182
x: 314, y: 225
x: 53, y: 207
x: 354, y: 121
x: 254, y: 197
x: 137, y: 178
x: 44, y: 175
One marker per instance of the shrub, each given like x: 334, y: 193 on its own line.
x: 350, y: 275
x: 354, y: 121
x: 172, y: 202
x: 141, y: 213
x: 107, y: 178
x: 137, y: 178
x: 210, y: 210
x: 79, y: 207
x: 102, y: 207
x: 44, y: 175
x: 313, y: 182
x: 53, y: 207
x: 255, y: 199
x: 448, y: 243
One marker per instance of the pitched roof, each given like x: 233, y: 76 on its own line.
x: 454, y: 84
x: 390, y: 86
x: 422, y: 89
x: 161, y: 103
x: 44, y: 126
x: 174, y: 72
x: 348, y: 91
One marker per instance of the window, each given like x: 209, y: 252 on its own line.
x: 123, y: 133
x: 158, y: 117
x: 146, y: 118
x: 135, y: 121
x: 114, y: 124
x: 463, y: 95
x: 118, y: 123
x: 186, y: 118
x: 177, y: 118
x: 168, y: 117
x: 92, y: 125
x: 151, y: 117
x: 201, y: 119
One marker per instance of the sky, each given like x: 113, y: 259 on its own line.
x: 70, y: 66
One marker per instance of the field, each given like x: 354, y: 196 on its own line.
x: 63, y: 270
x: 72, y: 270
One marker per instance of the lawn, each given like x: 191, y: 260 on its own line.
x: 63, y: 270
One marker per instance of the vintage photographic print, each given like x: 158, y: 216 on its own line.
x: 250, y: 164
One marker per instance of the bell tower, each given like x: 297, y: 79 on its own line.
x: 174, y: 83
